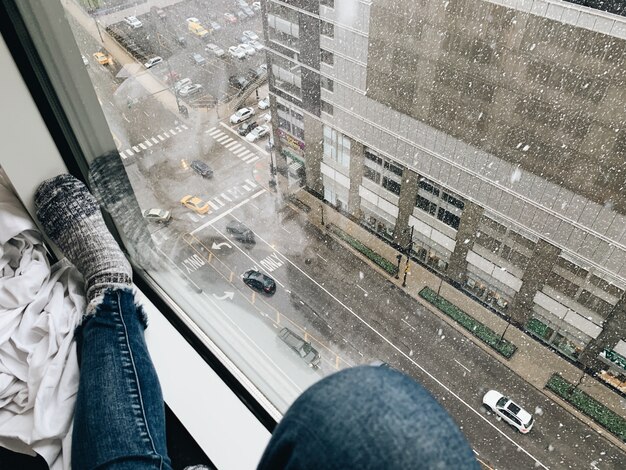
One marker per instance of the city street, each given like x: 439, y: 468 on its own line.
x: 346, y: 309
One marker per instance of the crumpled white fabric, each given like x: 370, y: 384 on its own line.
x: 40, y: 305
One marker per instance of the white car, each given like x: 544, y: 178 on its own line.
x: 257, y: 45
x: 264, y: 103
x: 241, y: 115
x: 237, y: 52
x: 251, y: 35
x: 190, y: 90
x: 256, y: 6
x: 133, y: 22
x: 182, y: 83
x: 248, y: 49
x: 509, y: 411
x: 214, y: 49
x: 257, y: 133
x: 215, y: 26
x: 267, y: 117
x: 193, y: 20
x: 152, y: 62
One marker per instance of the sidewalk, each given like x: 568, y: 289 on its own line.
x: 532, y: 361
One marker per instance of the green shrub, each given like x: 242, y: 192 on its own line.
x: 602, y: 415
x: 368, y: 252
x: 482, y: 332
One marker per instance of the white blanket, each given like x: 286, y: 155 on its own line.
x: 40, y: 305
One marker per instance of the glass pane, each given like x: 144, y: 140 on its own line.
x: 481, y: 143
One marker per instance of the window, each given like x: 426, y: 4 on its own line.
x: 405, y: 116
x: 327, y: 29
x: 327, y: 83
x: 327, y: 57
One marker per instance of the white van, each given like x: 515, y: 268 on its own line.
x: 181, y: 83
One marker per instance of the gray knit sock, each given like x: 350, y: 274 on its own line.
x: 71, y: 217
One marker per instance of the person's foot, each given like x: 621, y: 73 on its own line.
x: 71, y: 217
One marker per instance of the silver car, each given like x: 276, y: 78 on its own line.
x: 303, y: 348
x: 160, y: 216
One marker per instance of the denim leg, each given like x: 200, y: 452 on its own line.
x: 119, y: 422
x: 367, y: 418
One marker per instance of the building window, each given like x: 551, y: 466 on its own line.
x: 391, y: 185
x: 327, y: 83
x: 383, y: 172
x: 441, y: 204
x: 327, y: 57
x: 371, y: 174
x: 336, y: 147
x: 327, y: 29
x: 327, y: 108
x: 328, y: 3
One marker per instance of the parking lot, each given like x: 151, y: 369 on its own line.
x: 168, y: 34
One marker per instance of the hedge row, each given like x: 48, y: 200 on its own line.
x: 606, y: 418
x: 482, y: 332
x: 371, y: 254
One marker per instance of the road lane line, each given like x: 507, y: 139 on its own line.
x: 224, y: 196
x: 227, y: 140
x: 218, y: 200
x: 211, y: 129
x: 362, y: 289
x: 407, y: 357
x: 172, y: 131
x: 148, y: 143
x: 246, y: 187
x: 161, y: 138
x: 252, y: 160
x: 251, y: 183
x: 410, y: 326
x: 241, y: 151
x: 136, y: 149
x: 231, y: 145
x: 225, y: 213
x: 462, y: 366
x: 143, y: 146
x: 224, y: 138
x: 235, y: 147
x: 154, y: 140
x: 245, y: 154
x: 213, y: 205
x: 165, y: 134
x: 285, y: 229
x: 129, y: 152
x: 320, y: 256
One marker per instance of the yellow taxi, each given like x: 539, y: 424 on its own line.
x: 102, y: 59
x: 195, y: 204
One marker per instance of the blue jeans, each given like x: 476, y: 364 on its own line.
x: 360, y: 418
x: 119, y: 421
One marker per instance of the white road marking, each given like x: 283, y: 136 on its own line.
x: 362, y: 289
x: 410, y: 326
x: 285, y: 229
x: 234, y: 132
x: 183, y: 126
x: 124, y: 116
x: 148, y: 143
x: 223, y: 139
x: 122, y: 156
x: 251, y: 183
x: 161, y: 138
x: 225, y: 213
x: 224, y: 196
x: 147, y: 115
x: 213, y: 205
x: 405, y: 355
x: 320, y: 256
x: 462, y: 365
x: 166, y: 134
x: 245, y: 154
x: 241, y: 151
x: 172, y: 131
x: 154, y: 140
x: 218, y: 201
x: 228, y: 140
x: 253, y: 159
x: 235, y: 147
x: 136, y: 149
x: 246, y: 187
x: 129, y: 152
x: 216, y: 132
x: 211, y: 129
x: 143, y: 146
x: 230, y: 145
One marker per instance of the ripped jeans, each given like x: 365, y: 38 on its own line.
x: 359, y: 418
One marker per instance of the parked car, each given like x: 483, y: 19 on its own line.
x: 197, y: 59
x: 133, y: 22
x: 195, y: 204
x: 202, y: 169
x: 258, y: 133
x: 102, y: 58
x: 158, y: 12
x: 509, y: 411
x: 264, y: 103
x: 238, y: 81
x: 240, y: 232
x: 259, y: 281
x: 257, y: 45
x: 241, y: 3
x: 192, y: 19
x: 215, y: 26
x: 181, y: 84
x: 198, y: 30
x: 85, y: 61
x: 230, y: 18
x: 237, y: 52
x: 214, y: 49
x: 246, y: 127
x: 267, y: 117
x: 248, y: 11
x: 241, y: 15
x: 300, y: 346
x: 153, y: 61
x: 248, y: 49
x: 160, y: 216
x: 189, y: 90
x: 256, y: 6
x: 251, y: 35
x: 241, y: 115
x: 182, y: 41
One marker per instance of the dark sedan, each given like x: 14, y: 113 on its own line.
x: 240, y: 232
x: 259, y: 281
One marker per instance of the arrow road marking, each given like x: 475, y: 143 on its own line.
x: 218, y: 246
x: 227, y: 295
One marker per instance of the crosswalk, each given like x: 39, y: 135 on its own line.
x: 154, y: 140
x: 239, y: 150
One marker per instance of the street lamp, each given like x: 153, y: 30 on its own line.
x: 399, y: 258
x: 408, y: 256
x: 272, y: 181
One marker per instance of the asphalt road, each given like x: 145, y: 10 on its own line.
x: 347, y: 310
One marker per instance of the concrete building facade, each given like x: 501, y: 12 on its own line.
x: 493, y: 131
